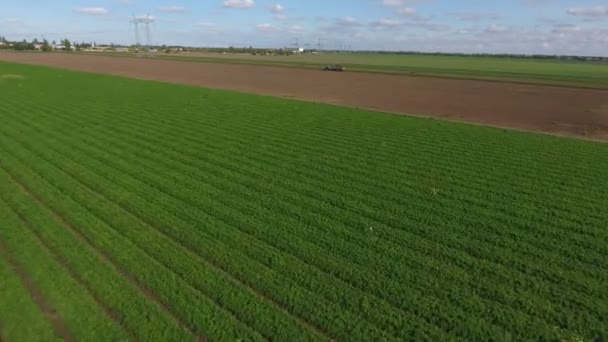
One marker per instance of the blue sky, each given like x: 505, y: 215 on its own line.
x: 512, y: 26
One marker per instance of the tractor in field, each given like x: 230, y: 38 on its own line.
x: 336, y: 67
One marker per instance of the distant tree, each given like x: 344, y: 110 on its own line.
x: 54, y: 43
x: 67, y: 44
x: 23, y: 45
x: 46, y: 47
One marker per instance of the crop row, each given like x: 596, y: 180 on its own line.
x: 187, y: 232
x: 416, y: 170
x: 17, y: 302
x: 551, y: 245
x: 233, y: 216
x: 201, y: 314
x: 65, y: 299
x: 494, y: 218
x: 127, y: 303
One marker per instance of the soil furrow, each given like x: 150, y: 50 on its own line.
x: 208, y: 263
x: 49, y: 312
x: 99, y: 253
x: 109, y: 312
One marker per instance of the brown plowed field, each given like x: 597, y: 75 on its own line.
x: 577, y: 112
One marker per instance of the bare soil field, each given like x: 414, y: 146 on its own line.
x: 555, y: 110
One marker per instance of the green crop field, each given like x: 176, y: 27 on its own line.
x: 157, y: 212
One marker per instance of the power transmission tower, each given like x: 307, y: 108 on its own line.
x: 138, y: 22
x: 320, y: 43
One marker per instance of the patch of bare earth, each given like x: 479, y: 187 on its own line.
x: 556, y: 110
x: 11, y: 77
x: 2, y: 336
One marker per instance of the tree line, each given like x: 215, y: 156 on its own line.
x: 35, y: 44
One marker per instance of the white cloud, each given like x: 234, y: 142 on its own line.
x: 278, y: 12
x: 393, y: 3
x: 406, y: 11
x: 475, y: 16
x: 173, y: 9
x: 265, y: 27
x: 239, y: 3
x: 347, y: 21
x: 385, y: 23
x: 589, y: 12
x: 11, y: 20
x: 151, y: 17
x: 400, y: 3
x: 566, y: 28
x: 295, y: 29
x: 277, y: 8
x: 210, y: 28
x: 494, y: 28
x: 93, y: 10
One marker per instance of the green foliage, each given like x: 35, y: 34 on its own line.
x: 16, y: 302
x: 46, y: 47
x: 67, y: 44
x: 23, y: 46
x: 63, y: 293
x: 256, y: 218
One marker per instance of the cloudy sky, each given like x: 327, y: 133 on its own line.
x: 495, y: 26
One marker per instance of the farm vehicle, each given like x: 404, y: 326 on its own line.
x: 336, y: 67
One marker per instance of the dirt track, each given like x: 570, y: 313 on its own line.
x: 577, y: 112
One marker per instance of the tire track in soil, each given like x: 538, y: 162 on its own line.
x: 3, y: 338
x: 48, y: 311
x: 101, y: 255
